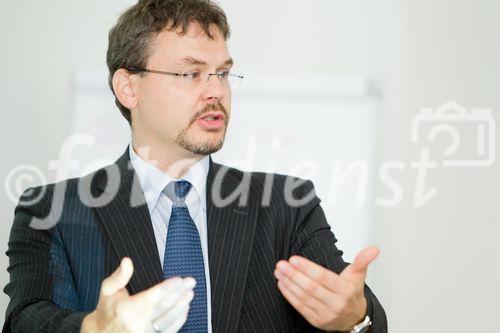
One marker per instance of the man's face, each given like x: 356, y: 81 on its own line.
x: 177, y: 113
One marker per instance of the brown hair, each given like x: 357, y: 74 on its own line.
x: 130, y: 38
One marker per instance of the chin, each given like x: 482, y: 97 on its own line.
x: 201, y: 146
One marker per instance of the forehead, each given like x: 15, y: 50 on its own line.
x: 170, y: 47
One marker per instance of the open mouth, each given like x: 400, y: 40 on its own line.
x: 211, y: 121
x: 213, y: 116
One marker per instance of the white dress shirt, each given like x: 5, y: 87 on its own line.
x: 153, y: 181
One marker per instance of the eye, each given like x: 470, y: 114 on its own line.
x: 192, y: 76
x: 223, y: 74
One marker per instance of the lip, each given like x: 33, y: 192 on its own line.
x: 211, y: 125
x: 215, y: 114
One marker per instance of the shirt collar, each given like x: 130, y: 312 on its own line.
x: 154, y: 180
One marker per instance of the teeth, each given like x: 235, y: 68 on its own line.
x: 210, y: 118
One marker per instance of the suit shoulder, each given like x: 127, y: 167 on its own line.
x: 39, y: 198
x: 278, y: 185
x: 260, y: 177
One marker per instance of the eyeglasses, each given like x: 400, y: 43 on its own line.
x: 194, y: 79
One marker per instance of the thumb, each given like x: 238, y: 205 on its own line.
x: 118, y: 279
x: 359, y: 267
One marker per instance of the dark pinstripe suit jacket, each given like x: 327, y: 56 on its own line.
x: 56, y: 271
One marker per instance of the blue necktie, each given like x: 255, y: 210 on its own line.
x: 183, y: 255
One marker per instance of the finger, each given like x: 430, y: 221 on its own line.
x: 318, y: 273
x: 316, y: 302
x: 359, y: 267
x: 179, y: 310
x: 118, y: 279
x: 304, y: 288
x: 303, y: 309
x: 178, y: 323
x: 165, y: 304
x: 161, y: 296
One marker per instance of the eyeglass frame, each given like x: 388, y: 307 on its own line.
x: 135, y: 70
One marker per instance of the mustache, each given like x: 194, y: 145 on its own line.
x: 210, y: 107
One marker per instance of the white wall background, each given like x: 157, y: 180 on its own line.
x: 438, y: 269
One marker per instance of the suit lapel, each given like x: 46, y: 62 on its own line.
x: 231, y: 229
x: 127, y: 222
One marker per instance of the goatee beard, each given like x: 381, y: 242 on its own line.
x: 203, y: 147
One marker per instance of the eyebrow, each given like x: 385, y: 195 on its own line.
x: 198, y: 62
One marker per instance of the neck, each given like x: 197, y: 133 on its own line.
x: 174, y: 161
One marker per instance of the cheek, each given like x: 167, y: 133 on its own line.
x: 227, y: 104
x: 172, y: 111
x: 167, y: 107
x: 156, y: 98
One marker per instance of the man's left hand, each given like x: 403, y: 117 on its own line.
x: 328, y: 301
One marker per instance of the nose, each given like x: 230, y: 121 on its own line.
x: 214, y: 88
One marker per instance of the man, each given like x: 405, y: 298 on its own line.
x: 165, y: 239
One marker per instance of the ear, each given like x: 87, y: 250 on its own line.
x: 124, y: 88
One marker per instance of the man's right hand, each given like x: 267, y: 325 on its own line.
x: 165, y: 305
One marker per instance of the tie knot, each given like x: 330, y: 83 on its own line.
x: 177, y: 191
